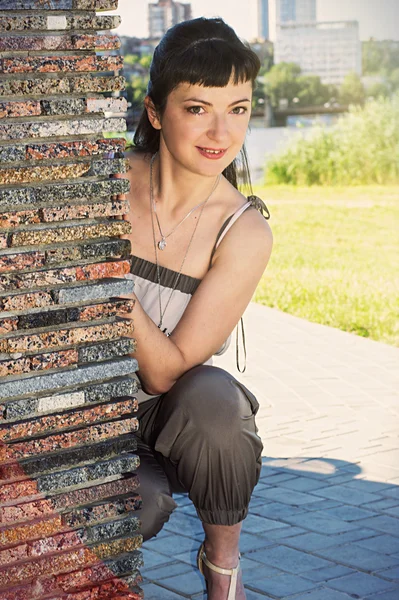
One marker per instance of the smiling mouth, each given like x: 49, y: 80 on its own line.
x: 211, y: 151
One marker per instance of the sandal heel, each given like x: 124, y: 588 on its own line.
x: 201, y: 559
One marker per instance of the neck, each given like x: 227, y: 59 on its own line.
x: 176, y: 189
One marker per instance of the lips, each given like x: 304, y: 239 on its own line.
x: 212, y: 153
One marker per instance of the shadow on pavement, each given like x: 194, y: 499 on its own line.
x: 315, y: 530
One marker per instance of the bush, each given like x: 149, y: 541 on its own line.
x: 362, y: 148
x: 352, y: 90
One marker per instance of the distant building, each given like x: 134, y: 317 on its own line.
x: 165, y: 14
x: 328, y: 49
x: 295, y: 11
x: 130, y: 45
x: 263, y: 19
x: 138, y: 46
x: 290, y: 11
x: 264, y: 50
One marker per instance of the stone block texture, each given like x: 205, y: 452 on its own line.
x: 69, y: 491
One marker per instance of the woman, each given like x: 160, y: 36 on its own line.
x: 197, y: 429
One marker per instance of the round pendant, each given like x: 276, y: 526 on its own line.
x: 162, y: 244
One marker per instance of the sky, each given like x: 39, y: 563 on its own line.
x: 377, y: 18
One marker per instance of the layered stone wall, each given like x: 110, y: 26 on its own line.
x: 68, y: 491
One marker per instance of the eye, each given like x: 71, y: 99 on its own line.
x: 195, y: 110
x: 239, y: 110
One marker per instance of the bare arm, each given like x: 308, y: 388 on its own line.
x: 213, y: 311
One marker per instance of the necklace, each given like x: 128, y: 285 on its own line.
x: 162, y: 242
x: 162, y: 312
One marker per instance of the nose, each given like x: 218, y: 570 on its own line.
x: 218, y: 130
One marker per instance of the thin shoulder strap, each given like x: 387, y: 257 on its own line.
x: 257, y: 203
x: 229, y: 222
x: 232, y: 219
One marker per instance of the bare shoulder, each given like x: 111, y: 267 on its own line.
x: 254, y: 237
x: 249, y: 238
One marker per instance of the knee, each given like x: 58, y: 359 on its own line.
x: 155, y: 512
x: 212, y: 396
x: 157, y: 500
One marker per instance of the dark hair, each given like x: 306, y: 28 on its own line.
x: 204, y: 52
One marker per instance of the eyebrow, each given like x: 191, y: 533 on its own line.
x: 209, y: 104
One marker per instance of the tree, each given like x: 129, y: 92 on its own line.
x: 352, y: 90
x: 264, y: 50
x: 393, y: 79
x: 267, y: 64
x: 282, y: 82
x: 145, y: 61
x: 379, y: 57
x: 136, y: 88
x: 286, y: 81
x: 312, y: 91
x: 372, y: 54
x: 378, y: 90
x: 258, y: 96
x: 131, y: 59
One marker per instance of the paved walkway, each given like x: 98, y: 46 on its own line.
x: 324, y: 518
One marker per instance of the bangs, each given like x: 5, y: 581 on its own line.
x: 213, y: 63
x: 205, y: 52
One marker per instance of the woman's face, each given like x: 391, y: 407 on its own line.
x: 204, y: 128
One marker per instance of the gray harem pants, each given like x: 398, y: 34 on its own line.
x: 199, y: 438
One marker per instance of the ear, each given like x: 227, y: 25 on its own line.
x: 152, y: 113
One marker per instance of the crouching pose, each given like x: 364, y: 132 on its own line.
x: 200, y: 248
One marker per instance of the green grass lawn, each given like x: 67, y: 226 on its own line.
x: 335, y: 257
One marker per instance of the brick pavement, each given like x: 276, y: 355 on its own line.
x: 324, y: 517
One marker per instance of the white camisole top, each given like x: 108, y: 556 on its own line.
x: 144, y: 274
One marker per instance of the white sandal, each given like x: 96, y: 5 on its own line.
x: 201, y: 557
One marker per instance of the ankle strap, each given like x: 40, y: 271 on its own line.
x: 219, y: 569
x: 232, y: 572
